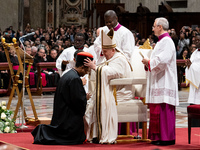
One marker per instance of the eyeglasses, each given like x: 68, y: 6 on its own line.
x: 153, y: 27
x: 42, y: 52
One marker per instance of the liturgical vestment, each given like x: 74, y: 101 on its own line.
x: 124, y: 39
x: 67, y: 125
x: 193, y: 77
x: 162, y: 90
x: 162, y: 84
x: 101, y: 112
x: 67, y: 54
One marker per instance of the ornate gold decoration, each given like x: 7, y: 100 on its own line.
x: 146, y: 45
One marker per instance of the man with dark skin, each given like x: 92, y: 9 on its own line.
x: 124, y: 38
x: 197, y: 42
x: 67, y: 56
x: 111, y: 19
x: 192, y: 72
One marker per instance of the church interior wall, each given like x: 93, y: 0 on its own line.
x: 38, y: 13
x: 37, y: 9
x: 153, y: 5
x: 9, y: 14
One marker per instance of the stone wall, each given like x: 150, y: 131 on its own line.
x: 9, y: 14
x: 153, y: 5
x: 38, y: 13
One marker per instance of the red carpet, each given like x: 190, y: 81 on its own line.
x: 25, y: 139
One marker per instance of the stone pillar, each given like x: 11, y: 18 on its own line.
x: 9, y: 14
x: 20, y: 14
x: 38, y: 13
x: 57, y: 13
x: 49, y: 13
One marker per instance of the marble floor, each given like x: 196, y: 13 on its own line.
x: 44, y: 107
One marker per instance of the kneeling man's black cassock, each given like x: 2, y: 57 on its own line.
x: 67, y: 125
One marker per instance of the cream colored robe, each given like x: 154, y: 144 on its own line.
x: 193, y: 77
x: 162, y: 84
x: 118, y: 67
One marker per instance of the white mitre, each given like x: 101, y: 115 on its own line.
x: 108, y: 40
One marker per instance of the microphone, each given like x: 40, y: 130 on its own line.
x: 29, y: 34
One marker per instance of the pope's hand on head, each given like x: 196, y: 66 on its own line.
x: 89, y: 63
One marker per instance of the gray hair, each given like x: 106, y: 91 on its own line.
x: 33, y: 48
x: 163, y: 22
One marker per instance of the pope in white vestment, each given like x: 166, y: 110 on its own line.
x: 193, y: 77
x: 101, y: 114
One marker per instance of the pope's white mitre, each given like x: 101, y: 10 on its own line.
x: 107, y: 39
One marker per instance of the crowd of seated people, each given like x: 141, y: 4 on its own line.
x: 43, y: 46
x: 47, y: 45
x: 184, y: 41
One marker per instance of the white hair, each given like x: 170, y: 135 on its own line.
x: 163, y: 22
x: 33, y: 48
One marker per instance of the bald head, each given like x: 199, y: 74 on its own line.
x: 110, y: 13
x: 110, y: 19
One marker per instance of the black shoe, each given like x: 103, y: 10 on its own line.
x: 165, y: 143
x: 95, y: 140
x: 155, y: 142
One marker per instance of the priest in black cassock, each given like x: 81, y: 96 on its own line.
x: 70, y: 101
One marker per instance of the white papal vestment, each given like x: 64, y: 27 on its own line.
x: 116, y: 67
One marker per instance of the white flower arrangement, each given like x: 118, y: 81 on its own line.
x: 7, y: 125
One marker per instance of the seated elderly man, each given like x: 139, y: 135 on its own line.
x: 101, y: 115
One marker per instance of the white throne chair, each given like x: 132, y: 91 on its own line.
x: 134, y: 110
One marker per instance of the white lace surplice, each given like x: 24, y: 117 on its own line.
x: 162, y: 84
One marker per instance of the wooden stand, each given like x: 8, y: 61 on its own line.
x: 4, y: 66
x: 16, y: 81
